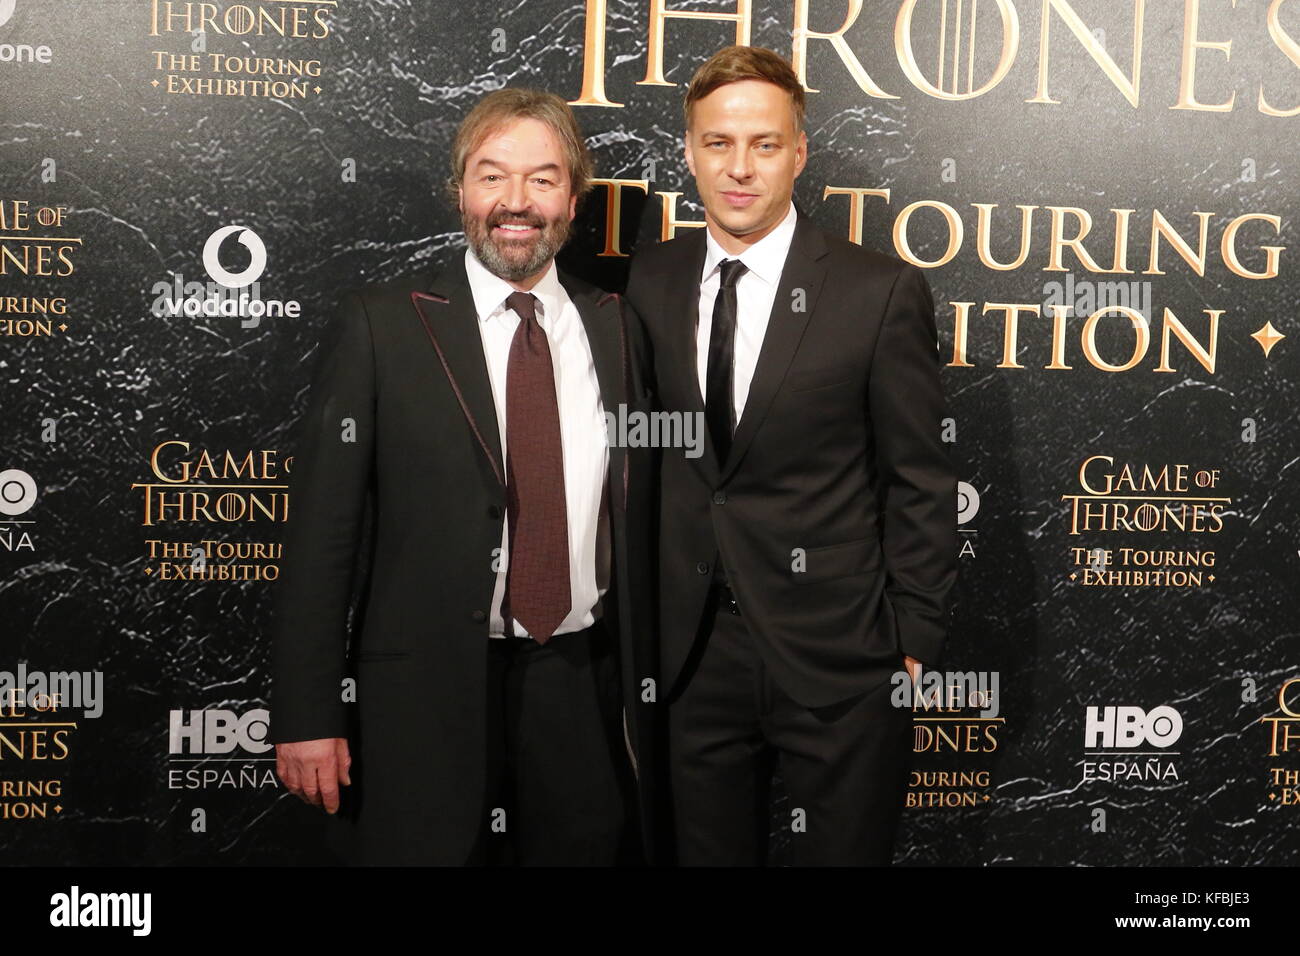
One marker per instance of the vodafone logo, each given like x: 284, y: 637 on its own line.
x: 224, y: 293
x: 20, y: 52
x: 212, y: 256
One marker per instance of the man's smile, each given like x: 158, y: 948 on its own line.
x: 739, y: 200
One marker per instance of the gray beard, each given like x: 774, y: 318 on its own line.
x: 552, y: 239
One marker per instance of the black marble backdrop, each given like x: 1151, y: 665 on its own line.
x: 144, y: 135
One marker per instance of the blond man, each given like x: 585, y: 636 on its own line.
x: 807, y: 557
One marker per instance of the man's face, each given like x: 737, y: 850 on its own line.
x: 516, y: 200
x: 745, y: 155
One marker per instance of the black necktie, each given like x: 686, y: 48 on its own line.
x: 719, y: 410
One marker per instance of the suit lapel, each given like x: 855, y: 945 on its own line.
x: 451, y: 321
x: 682, y: 309
x: 796, y: 297
x: 601, y: 316
x: 600, y: 320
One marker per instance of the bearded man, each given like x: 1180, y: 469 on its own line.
x: 499, y: 641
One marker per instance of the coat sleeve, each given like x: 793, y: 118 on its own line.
x: 328, y: 485
x: 918, y: 484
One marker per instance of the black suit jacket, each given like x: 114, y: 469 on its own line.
x: 835, y: 514
x: 403, y: 362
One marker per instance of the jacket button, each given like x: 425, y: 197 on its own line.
x: 702, y: 567
x: 494, y: 512
x: 479, y: 616
x: 719, y: 497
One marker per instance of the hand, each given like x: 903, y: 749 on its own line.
x: 313, y: 769
x: 913, y: 667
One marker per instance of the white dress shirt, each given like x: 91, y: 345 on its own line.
x: 583, y: 438
x: 755, y: 293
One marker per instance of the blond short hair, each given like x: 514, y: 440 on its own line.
x: 735, y: 63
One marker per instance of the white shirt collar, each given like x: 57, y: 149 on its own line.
x: 765, y: 258
x: 490, y: 290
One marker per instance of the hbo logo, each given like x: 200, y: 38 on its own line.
x: 1132, y: 727
x: 218, y: 731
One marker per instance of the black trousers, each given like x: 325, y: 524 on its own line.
x: 844, y: 766
x: 558, y: 774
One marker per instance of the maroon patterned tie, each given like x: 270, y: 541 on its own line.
x: 537, y: 574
